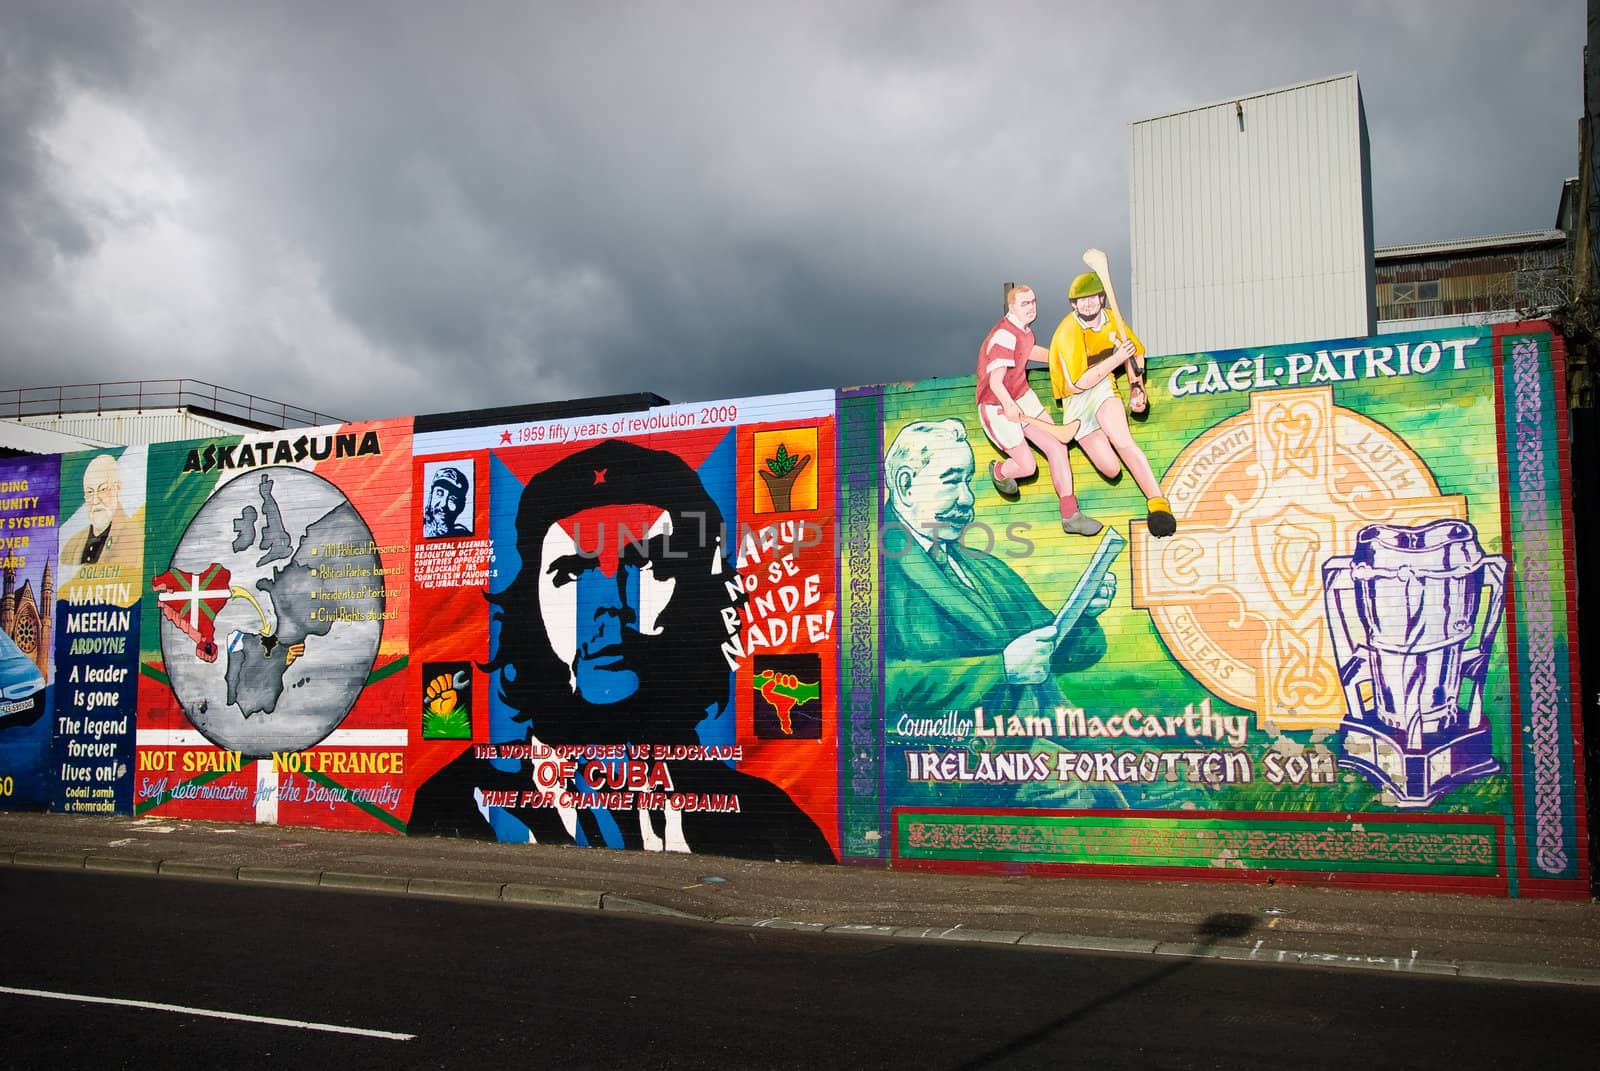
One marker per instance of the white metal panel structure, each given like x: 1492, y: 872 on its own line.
x: 136, y: 427
x: 1431, y: 323
x: 1252, y: 220
x: 29, y: 439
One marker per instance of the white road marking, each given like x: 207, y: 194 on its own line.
x: 180, y: 1009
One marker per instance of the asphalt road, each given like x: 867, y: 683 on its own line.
x: 441, y: 983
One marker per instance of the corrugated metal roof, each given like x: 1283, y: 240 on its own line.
x: 25, y: 438
x: 138, y: 395
x: 1246, y: 96
x: 126, y: 427
x: 1429, y: 323
x: 1459, y: 245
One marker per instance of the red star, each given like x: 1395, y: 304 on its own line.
x: 599, y: 477
x: 505, y: 437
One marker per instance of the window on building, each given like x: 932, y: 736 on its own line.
x: 27, y: 635
x: 1411, y: 293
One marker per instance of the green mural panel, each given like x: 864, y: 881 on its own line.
x: 1326, y: 634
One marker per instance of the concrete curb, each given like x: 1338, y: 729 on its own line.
x: 375, y: 883
x: 597, y: 900
x: 462, y: 890
x: 539, y: 895
x: 1394, y: 964
x: 613, y: 902
x: 1073, y: 943
x: 182, y: 868
x: 861, y: 929
x: 51, y: 860
x: 960, y: 933
x: 117, y: 865
x: 277, y: 875
x: 1516, y: 972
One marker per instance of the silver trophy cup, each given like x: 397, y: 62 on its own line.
x: 1402, y: 612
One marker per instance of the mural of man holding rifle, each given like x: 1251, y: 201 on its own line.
x: 1090, y: 344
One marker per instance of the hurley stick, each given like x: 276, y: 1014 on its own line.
x: 1097, y: 262
x: 1059, y: 431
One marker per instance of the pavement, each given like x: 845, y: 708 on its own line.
x: 1538, y: 941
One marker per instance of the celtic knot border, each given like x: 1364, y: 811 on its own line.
x: 1542, y: 682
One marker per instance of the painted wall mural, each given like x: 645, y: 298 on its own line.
x: 1308, y: 670
x: 639, y: 651
x: 274, y: 634
x: 1303, y: 611
x: 99, y: 593
x: 29, y: 572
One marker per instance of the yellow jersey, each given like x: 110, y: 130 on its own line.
x: 1074, y: 347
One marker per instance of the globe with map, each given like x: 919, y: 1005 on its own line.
x: 271, y: 612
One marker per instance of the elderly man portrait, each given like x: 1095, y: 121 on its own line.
x: 962, y: 629
x: 112, y: 537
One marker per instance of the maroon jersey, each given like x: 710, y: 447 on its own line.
x: 1007, y: 347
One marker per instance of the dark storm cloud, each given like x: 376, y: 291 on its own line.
x: 47, y: 51
x: 385, y: 209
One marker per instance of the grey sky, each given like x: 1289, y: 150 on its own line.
x: 380, y: 209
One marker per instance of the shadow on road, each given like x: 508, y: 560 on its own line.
x: 1228, y: 924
